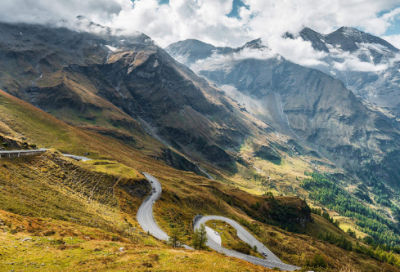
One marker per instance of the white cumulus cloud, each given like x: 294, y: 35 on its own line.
x: 393, y: 39
x: 207, y: 20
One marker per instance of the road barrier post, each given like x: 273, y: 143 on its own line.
x: 197, y: 217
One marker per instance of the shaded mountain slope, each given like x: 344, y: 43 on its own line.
x: 125, y: 87
x: 91, y: 230
x: 366, y: 64
x: 108, y: 190
x: 314, y: 108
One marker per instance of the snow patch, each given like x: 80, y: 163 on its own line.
x: 374, y: 46
x: 334, y: 49
x: 348, y: 31
x: 111, y: 48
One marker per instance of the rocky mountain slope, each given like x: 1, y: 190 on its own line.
x: 132, y: 108
x: 325, y: 124
x: 191, y: 50
x: 125, y: 87
x: 42, y: 228
x: 366, y: 64
x: 313, y: 108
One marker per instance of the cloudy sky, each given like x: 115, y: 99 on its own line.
x: 220, y: 22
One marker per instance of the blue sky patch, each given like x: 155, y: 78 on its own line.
x: 394, y: 29
x: 237, y: 4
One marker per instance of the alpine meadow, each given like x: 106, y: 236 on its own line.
x: 200, y: 135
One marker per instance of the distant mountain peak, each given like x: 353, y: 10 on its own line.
x: 255, y: 41
x: 254, y: 44
x: 309, y: 30
x: 349, y: 30
x: 348, y: 39
x: 317, y: 39
x: 193, y: 41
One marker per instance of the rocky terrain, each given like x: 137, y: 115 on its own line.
x: 366, y: 64
x: 121, y: 86
x: 315, y: 109
x: 295, y: 154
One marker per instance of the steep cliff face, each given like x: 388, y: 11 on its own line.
x: 51, y: 69
x: 150, y: 84
x: 121, y: 86
x: 312, y: 107
x: 366, y: 64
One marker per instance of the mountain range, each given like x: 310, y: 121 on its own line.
x: 311, y: 106
x: 223, y: 128
x: 375, y: 81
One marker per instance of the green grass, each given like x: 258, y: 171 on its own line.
x: 52, y: 186
x: 76, y: 251
x: 105, y: 195
x: 24, y: 122
x: 114, y: 168
x: 230, y: 239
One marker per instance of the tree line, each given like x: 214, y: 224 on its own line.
x: 382, y: 230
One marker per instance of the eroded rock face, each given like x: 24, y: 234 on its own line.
x: 311, y: 106
x: 108, y: 82
x: 378, y: 82
x: 315, y: 109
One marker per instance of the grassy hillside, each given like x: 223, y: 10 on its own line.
x: 112, y: 101
x: 66, y: 247
x: 79, y: 214
x: 24, y: 122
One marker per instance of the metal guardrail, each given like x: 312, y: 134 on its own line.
x: 19, y: 153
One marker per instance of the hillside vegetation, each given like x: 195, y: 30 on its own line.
x: 139, y: 108
x: 80, y: 214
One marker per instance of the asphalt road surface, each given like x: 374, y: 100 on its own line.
x: 271, y: 261
x: 148, y: 224
x: 145, y: 213
x: 78, y: 158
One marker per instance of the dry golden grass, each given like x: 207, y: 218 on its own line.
x: 85, y: 195
x: 24, y: 122
x: 68, y: 247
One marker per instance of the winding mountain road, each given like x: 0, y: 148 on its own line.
x: 145, y: 213
x: 271, y: 261
x: 78, y: 158
x: 148, y: 224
